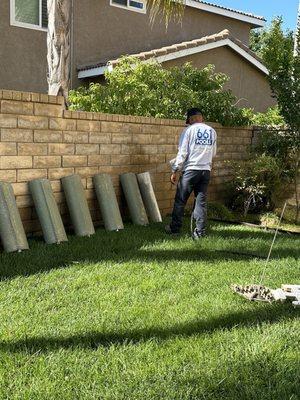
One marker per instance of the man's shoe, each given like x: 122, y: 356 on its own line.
x: 197, y: 235
x: 169, y: 230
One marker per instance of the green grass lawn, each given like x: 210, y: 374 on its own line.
x: 138, y: 315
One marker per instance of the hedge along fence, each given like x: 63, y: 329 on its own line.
x: 40, y: 139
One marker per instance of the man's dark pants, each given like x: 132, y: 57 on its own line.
x: 191, y: 181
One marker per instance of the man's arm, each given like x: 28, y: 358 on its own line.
x: 182, y: 155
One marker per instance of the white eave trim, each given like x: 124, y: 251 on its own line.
x: 226, y: 13
x: 183, y: 53
x: 87, y: 73
x: 214, y: 45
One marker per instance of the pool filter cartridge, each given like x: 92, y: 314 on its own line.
x: 108, y: 203
x: 12, y: 232
x: 47, y: 211
x: 134, y: 199
x: 148, y: 197
x: 77, y: 205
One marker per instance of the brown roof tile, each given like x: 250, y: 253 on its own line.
x: 146, y: 55
x: 225, y: 34
x: 91, y: 66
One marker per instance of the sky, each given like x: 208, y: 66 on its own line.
x: 266, y: 8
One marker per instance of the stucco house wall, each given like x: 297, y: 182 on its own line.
x: 23, y: 55
x: 246, y: 82
x: 100, y: 32
x: 103, y: 32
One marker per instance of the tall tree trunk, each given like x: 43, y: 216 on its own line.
x: 58, y: 43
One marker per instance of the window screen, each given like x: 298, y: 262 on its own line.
x: 136, y: 4
x: 44, y: 14
x: 139, y: 5
x: 27, y: 11
x: 122, y: 2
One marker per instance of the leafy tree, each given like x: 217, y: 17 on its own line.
x: 284, y: 67
x: 259, y: 38
x: 280, y: 52
x: 284, y: 76
x: 270, y: 119
x: 147, y: 89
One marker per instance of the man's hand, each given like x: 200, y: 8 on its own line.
x: 173, y: 178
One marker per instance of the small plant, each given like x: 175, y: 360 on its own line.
x: 269, y: 219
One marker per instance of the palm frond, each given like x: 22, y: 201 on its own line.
x: 168, y: 9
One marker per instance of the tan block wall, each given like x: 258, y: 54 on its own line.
x: 40, y: 139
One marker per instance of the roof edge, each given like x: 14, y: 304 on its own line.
x: 223, y: 38
x: 255, y: 20
x: 229, y: 42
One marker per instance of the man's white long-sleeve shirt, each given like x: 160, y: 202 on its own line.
x: 197, y: 147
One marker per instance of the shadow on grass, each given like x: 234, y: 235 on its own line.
x: 259, y: 376
x: 128, y: 245
x: 259, y: 314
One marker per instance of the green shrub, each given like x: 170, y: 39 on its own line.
x: 282, y: 145
x: 255, y: 183
x: 219, y: 211
x: 271, y: 118
x: 147, y: 89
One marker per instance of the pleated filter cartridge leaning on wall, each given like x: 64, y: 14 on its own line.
x: 108, y: 203
x: 138, y: 191
x: 12, y: 231
x: 47, y: 211
x: 77, y: 205
x: 148, y: 196
x: 134, y: 199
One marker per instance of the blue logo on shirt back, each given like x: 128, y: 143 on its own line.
x: 204, y: 138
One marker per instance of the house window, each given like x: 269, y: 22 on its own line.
x: 133, y: 5
x: 29, y: 14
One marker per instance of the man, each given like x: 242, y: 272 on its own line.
x: 197, y: 147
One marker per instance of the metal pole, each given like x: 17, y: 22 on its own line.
x: 272, y: 245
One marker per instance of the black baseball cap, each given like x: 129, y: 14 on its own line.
x: 191, y: 112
